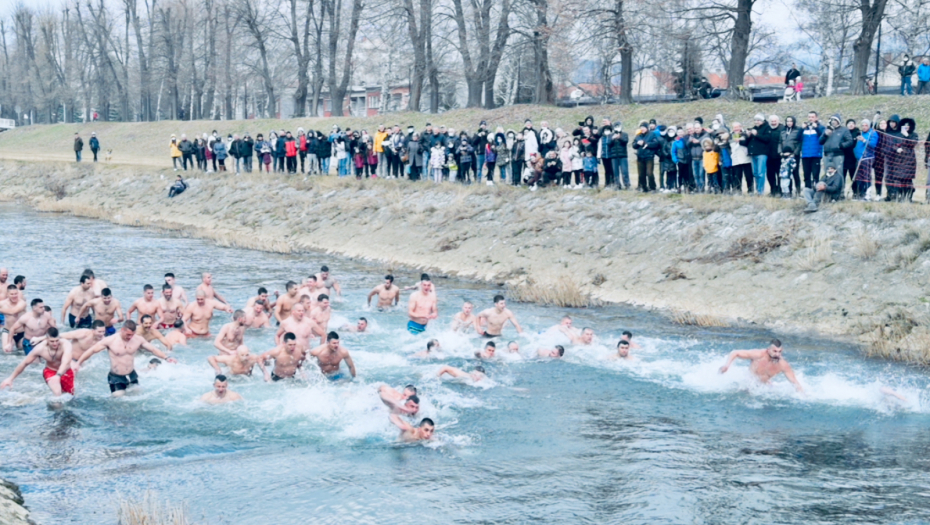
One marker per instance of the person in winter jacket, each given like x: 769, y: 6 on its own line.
x: 465, y: 153
x: 177, y: 188
x: 502, y: 155
x: 907, y: 70
x: 565, y: 159
x: 414, y: 152
x: 864, y: 152
x: 829, y: 188
x: 246, y: 146
x: 233, y: 148
x: 577, y: 162
x: 681, y: 156
x: 301, y: 142
x: 722, y: 141
x: 835, y: 140
x: 789, y: 149
x: 759, y: 138
x: 219, y: 150
x: 811, y: 149
x: 199, y: 147
x: 79, y: 146
x: 668, y: 169
x: 324, y: 152
x: 619, y: 156
x: 739, y: 156
x: 173, y: 149
x: 902, y: 160
x: 186, y: 147
x: 264, y: 150
x: 589, y: 167
x: 290, y: 153
x: 711, y: 163
x: 380, y: 136
x: 95, y: 147
x: 696, y: 135
x: 517, y: 158
x: 773, y: 158
x: 280, y: 152
x: 923, y: 76
x: 646, y: 144
x: 552, y: 169
x: 437, y: 160
x: 530, y: 140
x: 849, y: 152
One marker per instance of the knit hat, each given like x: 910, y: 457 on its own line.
x: 837, y: 118
x: 759, y: 116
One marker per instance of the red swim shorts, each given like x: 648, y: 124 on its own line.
x: 67, y: 380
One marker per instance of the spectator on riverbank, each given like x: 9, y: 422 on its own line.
x: 94, y: 145
x: 923, y: 77
x: 907, y: 70
x: 78, y: 146
x: 187, y: 152
x: 177, y: 188
x: 174, y: 150
x: 829, y: 188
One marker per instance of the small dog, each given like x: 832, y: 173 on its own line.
x: 108, y: 157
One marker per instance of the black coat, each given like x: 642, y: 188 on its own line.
x: 759, y: 143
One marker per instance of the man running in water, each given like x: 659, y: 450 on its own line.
x: 422, y: 307
x: 422, y: 432
x: 628, y: 337
x: 146, y: 305
x: 406, y: 403
x: 197, y: 315
x: 106, y: 308
x: 176, y: 337
x: 11, y: 308
x: 146, y: 329
x: 496, y: 317
x: 179, y: 293
x: 83, y: 339
x: 320, y: 316
x: 623, y: 351
x: 262, y: 296
x: 555, y: 353
x: 329, y: 355
x: 282, y: 309
x: 257, y: 317
x: 207, y: 288
x: 4, y: 275
x: 34, y: 324
x: 220, y: 393
x: 357, y: 328
x: 97, y: 284
x: 431, y: 346
x: 231, y: 335
x: 312, y: 288
x: 56, y: 353
x: 328, y: 281
x: 765, y: 364
x: 300, y: 325
x: 465, y: 319
x: 171, y: 307
x: 477, y: 374
x: 240, y: 363
x: 388, y: 293
x: 122, y: 348
x: 288, y: 358
x: 74, y: 304
x: 488, y: 353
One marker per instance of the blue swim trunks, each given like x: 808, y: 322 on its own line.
x: 27, y: 346
x: 110, y: 330
x: 415, y: 328
x: 338, y: 376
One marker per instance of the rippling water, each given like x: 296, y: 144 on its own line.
x: 664, y: 439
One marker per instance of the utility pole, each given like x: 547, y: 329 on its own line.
x: 878, y: 55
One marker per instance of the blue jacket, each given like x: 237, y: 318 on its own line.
x: 726, y: 161
x: 866, y: 150
x: 590, y: 164
x: 810, y: 142
x: 94, y: 144
x: 923, y: 73
x: 681, y: 152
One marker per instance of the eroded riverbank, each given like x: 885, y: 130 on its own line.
x: 855, y: 269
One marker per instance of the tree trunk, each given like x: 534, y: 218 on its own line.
x: 302, y: 54
x: 418, y: 40
x: 626, y: 54
x: 872, y: 15
x: 228, y: 88
x: 545, y: 92
x: 739, y: 48
x: 338, y: 89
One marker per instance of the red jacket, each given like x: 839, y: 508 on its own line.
x: 290, y: 148
x: 303, y: 143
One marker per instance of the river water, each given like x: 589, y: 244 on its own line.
x: 663, y: 439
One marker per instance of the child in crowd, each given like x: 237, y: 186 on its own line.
x: 577, y: 164
x: 437, y: 158
x: 565, y: 157
x: 590, y: 168
x: 372, y: 160
x: 711, y: 164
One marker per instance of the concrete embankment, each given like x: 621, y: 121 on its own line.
x: 852, y: 270
x: 12, y: 511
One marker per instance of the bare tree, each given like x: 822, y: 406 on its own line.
x: 256, y: 23
x: 872, y: 14
x: 339, y: 86
x: 480, y: 72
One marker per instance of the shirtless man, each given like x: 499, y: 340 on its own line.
x: 106, y: 308
x: 422, y: 307
x: 262, y: 296
x: 388, y: 293
x: 220, y: 394
x: 496, y: 318
x: 555, y: 353
x: 488, y: 353
x: 282, y: 309
x: 56, y: 353
x: 179, y: 293
x: 97, y: 284
x: 147, y: 331
x: 628, y: 337
x: 328, y: 281
x: 329, y: 355
x: 231, y: 335
x: 240, y: 363
x: 320, y: 316
x: 146, y: 305
x: 82, y: 340
x: 311, y: 287
x: 288, y: 358
x: 176, y: 337
x: 257, y: 317
x: 431, y: 346
x: 207, y: 288
x: 197, y: 315
x: 357, y: 328
x: 299, y: 324
x: 464, y: 319
x: 422, y: 432
x: 565, y: 326
x: 74, y: 303
x: 4, y: 275
x: 121, y: 347
x: 172, y: 308
x: 765, y: 364
x: 34, y: 325
x: 405, y: 402
x: 477, y: 374
x: 11, y: 308
x: 513, y: 347
x: 623, y: 351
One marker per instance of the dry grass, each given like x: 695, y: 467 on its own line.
x: 150, y: 511
x: 864, y: 246
x: 817, y: 252
x: 687, y: 318
x: 901, y: 337
x: 752, y: 247
x: 563, y: 291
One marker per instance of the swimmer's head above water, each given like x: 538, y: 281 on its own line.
x: 774, y: 350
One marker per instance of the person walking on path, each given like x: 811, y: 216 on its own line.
x: 94, y: 145
x: 78, y: 146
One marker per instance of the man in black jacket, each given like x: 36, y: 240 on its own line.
x: 773, y: 158
x: 246, y: 145
x: 619, y: 156
x: 187, y: 151
x: 646, y: 144
x: 830, y: 188
x: 760, y: 137
x: 792, y: 74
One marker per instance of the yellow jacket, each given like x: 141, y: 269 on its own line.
x: 175, y: 151
x: 711, y: 161
x: 379, y: 141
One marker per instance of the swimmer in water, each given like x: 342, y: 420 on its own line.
x: 147, y: 331
x: 320, y: 316
x: 240, y: 363
x: 424, y: 277
x: 422, y: 307
x: 11, y: 309
x: 220, y: 393
x: 74, y: 304
x: 513, y: 347
x: 329, y: 282
x: 4, y: 275
x: 628, y: 337
x: 154, y: 363
x: 56, y: 353
x: 406, y: 402
x: 422, y: 432
x: 122, y: 348
x: 477, y: 374
x: 565, y: 326
x: 330, y: 355
x: 358, y: 328
x: 623, y: 351
x: 311, y: 288
x: 172, y: 308
x: 285, y: 303
x: 176, y: 337
x: 106, y: 308
x: 388, y: 293
x: 765, y: 364
x: 555, y: 353
x: 179, y: 293
x: 146, y: 305
x: 431, y: 346
x: 299, y: 324
x: 288, y: 358
x: 257, y: 317
x: 495, y: 318
x: 232, y: 334
x: 34, y: 324
x: 465, y: 319
x: 206, y: 286
x: 262, y: 296
x: 197, y: 315
x: 488, y: 352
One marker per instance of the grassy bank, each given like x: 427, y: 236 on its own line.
x: 854, y: 269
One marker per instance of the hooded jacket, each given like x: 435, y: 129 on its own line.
x: 811, y: 146
x: 865, y: 149
x: 618, y: 145
x: 649, y: 147
x: 790, y: 140
x: 834, y: 190
x: 839, y: 139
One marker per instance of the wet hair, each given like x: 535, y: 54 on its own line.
x: 414, y: 398
x: 431, y: 344
x: 511, y: 343
x: 498, y: 298
x: 11, y: 287
x: 19, y: 279
x: 479, y: 369
x: 424, y: 277
x: 155, y: 361
x: 166, y: 286
x: 35, y: 302
x: 304, y: 296
x: 623, y: 342
x: 107, y: 293
x: 147, y: 288
x: 169, y: 274
x: 776, y: 343
x: 363, y: 319
x: 426, y: 421
x: 322, y: 297
x: 491, y: 344
x: 290, y: 337
x: 324, y: 268
x: 178, y: 323
x: 97, y: 324
x: 52, y: 332
x: 411, y: 388
x: 238, y: 314
x: 561, y: 350
x: 331, y: 336
x: 260, y: 302
x: 144, y: 317
x: 84, y: 279
x: 262, y: 290
x: 312, y: 277
x: 48, y: 308
x: 389, y: 277
x: 627, y: 333
x: 88, y: 272
x: 585, y: 329
x: 290, y: 285
x: 130, y: 325
x: 221, y: 378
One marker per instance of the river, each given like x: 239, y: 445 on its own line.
x: 663, y: 439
